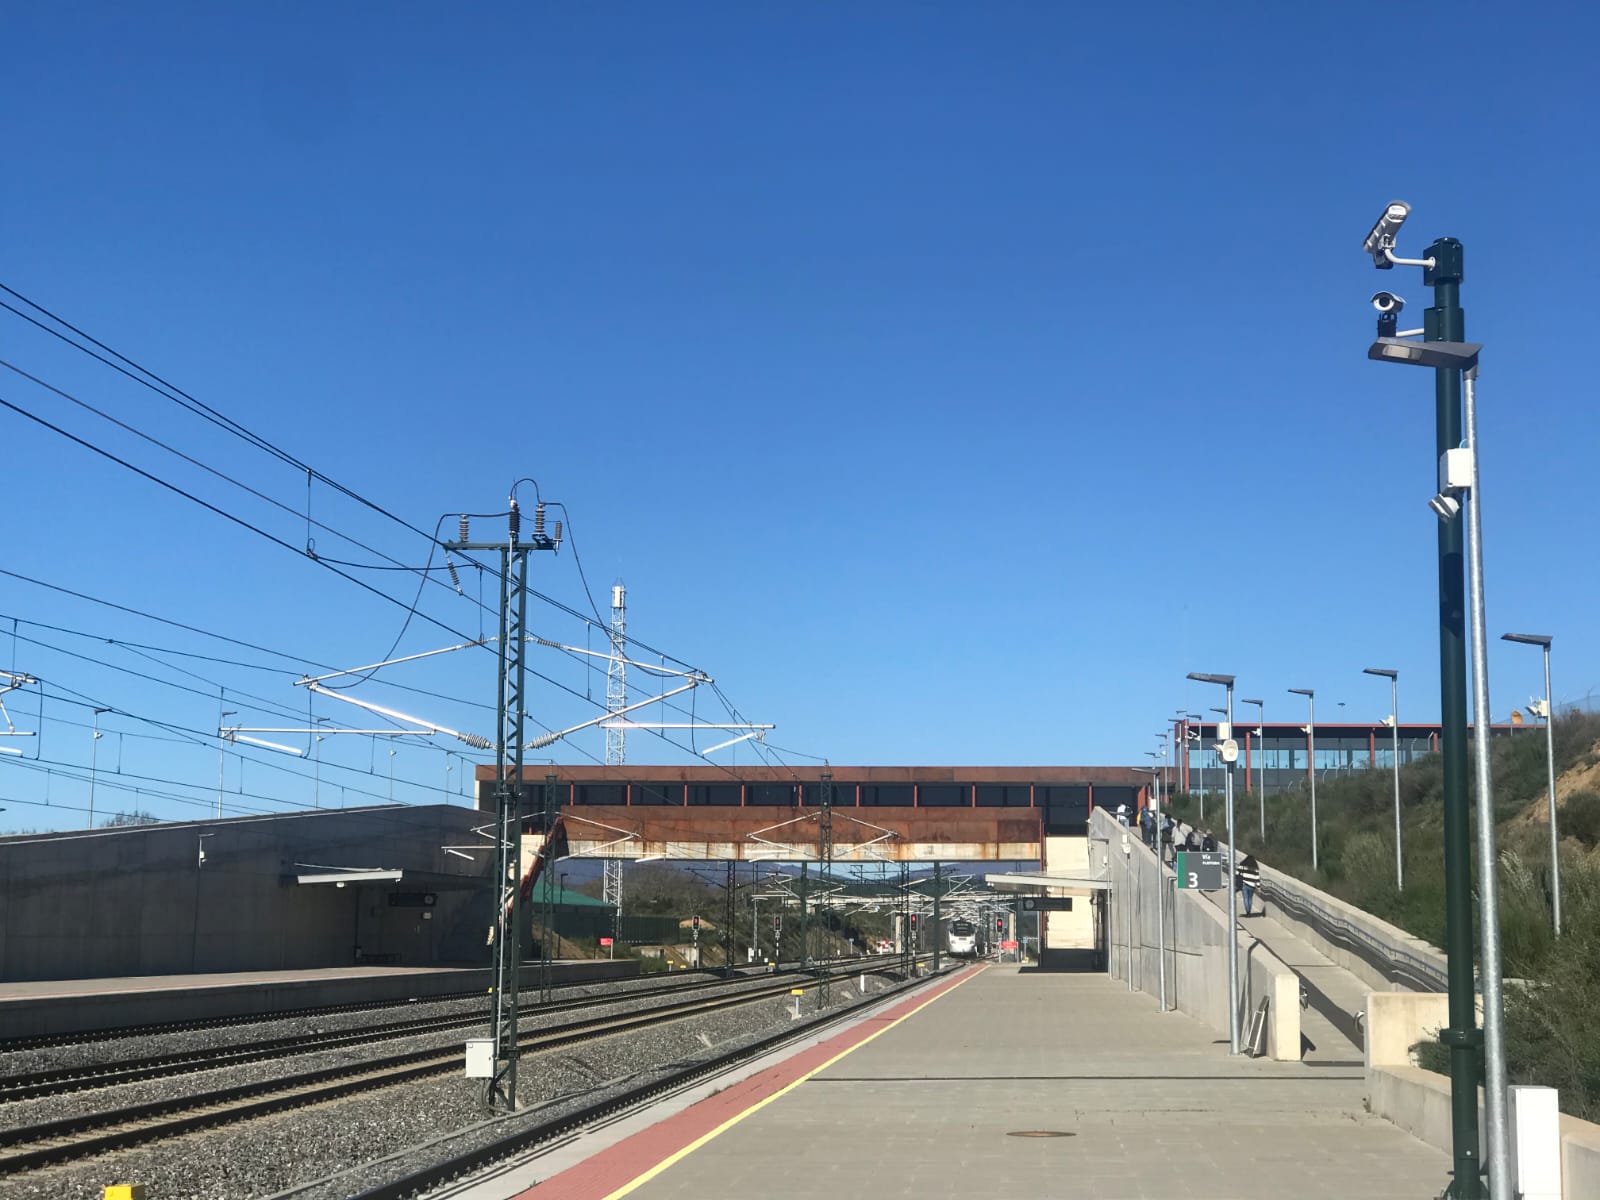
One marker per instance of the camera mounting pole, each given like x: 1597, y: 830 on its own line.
x: 1445, y: 322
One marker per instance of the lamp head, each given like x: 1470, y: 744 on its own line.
x: 1381, y: 239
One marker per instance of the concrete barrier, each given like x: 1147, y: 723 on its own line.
x: 1418, y: 1101
x: 1196, y: 944
x: 1381, y: 955
x: 78, y: 1006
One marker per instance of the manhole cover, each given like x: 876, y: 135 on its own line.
x: 1040, y: 1133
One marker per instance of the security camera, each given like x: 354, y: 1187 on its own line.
x: 1381, y: 240
x: 1445, y: 507
x: 1387, y: 302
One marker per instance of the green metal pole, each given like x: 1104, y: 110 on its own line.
x: 805, y: 918
x: 1444, y: 322
x: 938, y: 886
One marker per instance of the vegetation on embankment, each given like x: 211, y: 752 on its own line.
x: 1553, y: 1018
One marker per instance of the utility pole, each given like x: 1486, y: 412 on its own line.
x: 502, y: 1089
x: 825, y: 866
x: 938, y: 886
x: 222, y: 746
x: 616, y: 738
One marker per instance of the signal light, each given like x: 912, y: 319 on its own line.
x: 913, y: 920
x: 697, y: 922
x: 999, y: 924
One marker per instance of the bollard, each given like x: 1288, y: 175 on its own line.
x: 863, y: 981
x: 1536, y: 1142
x: 796, y: 993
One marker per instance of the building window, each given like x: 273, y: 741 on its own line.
x: 944, y: 795
x: 1004, y: 795
x: 599, y: 793
x: 781, y: 795
x: 723, y: 795
x: 656, y: 794
x: 844, y: 794
x: 1065, y: 808
x: 886, y: 795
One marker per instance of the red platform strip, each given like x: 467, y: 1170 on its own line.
x: 622, y: 1164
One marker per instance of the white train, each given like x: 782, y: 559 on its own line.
x: 964, y: 939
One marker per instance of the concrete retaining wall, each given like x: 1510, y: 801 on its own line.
x: 1379, y: 954
x: 1419, y: 1101
x: 1196, y: 941
x: 139, y: 900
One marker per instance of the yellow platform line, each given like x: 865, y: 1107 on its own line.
x: 640, y: 1180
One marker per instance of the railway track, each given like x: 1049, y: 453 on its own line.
x: 38, y: 1084
x: 31, y: 1147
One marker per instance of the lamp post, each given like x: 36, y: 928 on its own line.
x: 1197, y: 736
x: 1311, y: 764
x: 1261, y: 761
x: 1161, y: 880
x: 1394, y: 723
x: 1539, y: 639
x: 222, y: 746
x: 94, y: 758
x: 1455, y: 365
x: 1229, y: 752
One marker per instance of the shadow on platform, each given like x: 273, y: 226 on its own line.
x: 1068, y: 960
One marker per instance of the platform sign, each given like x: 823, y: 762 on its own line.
x: 1047, y: 904
x: 1202, y: 870
x: 1008, y: 946
x: 605, y: 941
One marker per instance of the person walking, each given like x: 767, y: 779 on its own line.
x: 1167, y: 825
x: 1208, y: 842
x: 1122, y: 815
x: 1248, y: 873
x: 1147, y: 826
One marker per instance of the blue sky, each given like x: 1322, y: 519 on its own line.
x: 945, y: 380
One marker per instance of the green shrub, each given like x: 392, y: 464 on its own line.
x: 1580, y: 817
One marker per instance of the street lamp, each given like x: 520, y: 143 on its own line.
x: 94, y: 757
x: 1196, y: 735
x: 1161, y: 883
x: 1540, y: 639
x: 1455, y: 362
x: 1229, y: 753
x: 1311, y: 764
x: 1261, y: 761
x: 1394, y: 723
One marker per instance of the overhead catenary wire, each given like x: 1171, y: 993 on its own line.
x: 149, y: 379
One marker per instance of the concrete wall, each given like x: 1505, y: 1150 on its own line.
x: 138, y: 901
x: 1379, y: 954
x: 1068, y: 930
x: 1419, y: 1101
x: 1196, y: 935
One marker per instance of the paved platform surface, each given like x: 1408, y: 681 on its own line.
x: 1152, y: 1106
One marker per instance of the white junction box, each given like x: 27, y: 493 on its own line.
x: 480, y: 1058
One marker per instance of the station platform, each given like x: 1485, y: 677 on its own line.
x: 43, y: 1008
x: 1003, y: 1082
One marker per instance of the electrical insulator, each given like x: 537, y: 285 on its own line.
x: 516, y: 520
x: 451, y: 567
x: 538, y: 520
x: 558, y: 533
x: 463, y: 527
